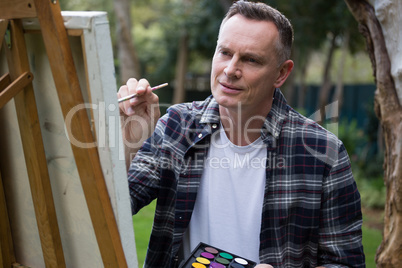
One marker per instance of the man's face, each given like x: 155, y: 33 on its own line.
x: 245, y: 66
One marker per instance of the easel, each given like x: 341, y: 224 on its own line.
x: 17, y: 85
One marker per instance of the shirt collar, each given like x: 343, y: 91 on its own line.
x: 210, y: 114
x: 274, y: 120
x: 276, y: 116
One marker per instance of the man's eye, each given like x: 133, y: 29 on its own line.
x: 252, y: 60
x: 225, y: 53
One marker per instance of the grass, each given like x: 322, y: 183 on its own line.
x: 372, y: 233
x: 372, y: 236
x: 142, y: 222
x: 371, y: 240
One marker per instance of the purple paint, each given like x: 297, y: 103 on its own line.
x: 216, y: 265
x: 207, y: 255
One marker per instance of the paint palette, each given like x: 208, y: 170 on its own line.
x: 206, y: 256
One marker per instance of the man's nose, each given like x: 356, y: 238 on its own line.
x: 233, y: 69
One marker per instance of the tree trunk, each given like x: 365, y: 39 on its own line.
x: 381, y: 27
x: 326, y: 81
x: 129, y: 64
x: 303, y: 86
x: 339, y: 82
x: 179, y: 94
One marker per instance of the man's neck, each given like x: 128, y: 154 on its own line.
x: 242, y: 128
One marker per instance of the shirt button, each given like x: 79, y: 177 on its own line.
x: 200, y: 135
x: 276, y: 134
x: 214, y: 126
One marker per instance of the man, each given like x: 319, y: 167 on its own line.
x: 243, y: 171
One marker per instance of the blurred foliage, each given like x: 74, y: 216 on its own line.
x: 315, y: 23
x: 200, y: 20
x: 372, y: 192
x: 357, y: 68
x: 159, y: 24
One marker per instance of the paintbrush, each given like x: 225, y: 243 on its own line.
x: 135, y: 94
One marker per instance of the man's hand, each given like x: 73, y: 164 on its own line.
x: 139, y: 115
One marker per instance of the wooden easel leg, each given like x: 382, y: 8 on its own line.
x: 34, y: 152
x: 7, y: 257
x: 87, y: 158
x: 3, y: 29
x: 12, y: 89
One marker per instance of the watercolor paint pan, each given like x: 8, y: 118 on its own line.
x: 207, y: 256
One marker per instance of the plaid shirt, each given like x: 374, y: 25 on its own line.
x: 311, y: 213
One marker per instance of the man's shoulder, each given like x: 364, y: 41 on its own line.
x: 310, y: 129
x: 193, y: 109
x: 309, y: 137
x: 194, y: 105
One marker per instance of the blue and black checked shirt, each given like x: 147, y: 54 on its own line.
x: 311, y: 213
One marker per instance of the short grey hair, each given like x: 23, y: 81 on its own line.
x: 264, y: 12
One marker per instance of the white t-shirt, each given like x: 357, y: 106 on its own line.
x: 228, y: 208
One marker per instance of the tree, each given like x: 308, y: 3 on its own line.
x: 186, y: 9
x: 129, y: 64
x: 120, y: 24
x: 190, y: 30
x: 380, y: 25
x: 318, y: 26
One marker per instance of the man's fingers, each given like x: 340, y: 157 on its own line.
x: 132, y: 85
x: 144, y: 97
x: 142, y: 87
x: 123, y: 91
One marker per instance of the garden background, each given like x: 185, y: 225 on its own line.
x: 173, y: 41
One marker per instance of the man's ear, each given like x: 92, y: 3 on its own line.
x: 284, y: 71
